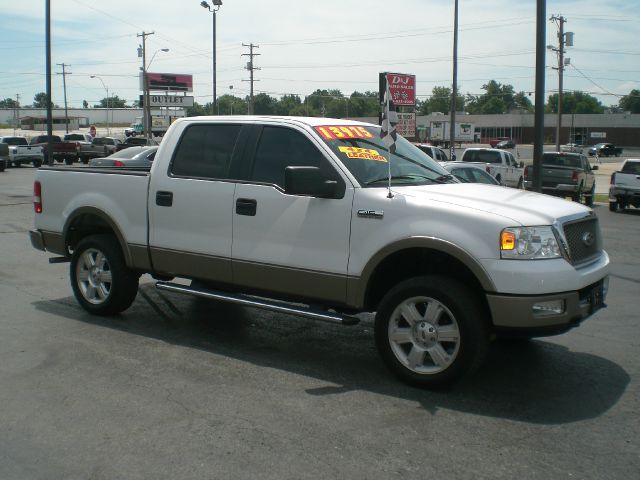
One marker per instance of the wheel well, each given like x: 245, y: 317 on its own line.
x: 414, y: 262
x: 86, y: 224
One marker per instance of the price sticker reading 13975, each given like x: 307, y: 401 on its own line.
x: 340, y: 132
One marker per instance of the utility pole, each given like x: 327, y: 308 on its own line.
x: 64, y: 87
x: 146, y: 115
x: 538, y: 136
x: 454, y: 87
x: 17, y: 113
x: 251, y: 68
x: 563, y: 39
x: 47, y: 15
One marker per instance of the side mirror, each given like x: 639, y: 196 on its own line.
x: 594, y: 167
x: 309, y: 181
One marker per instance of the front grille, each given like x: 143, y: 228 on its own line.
x: 583, y: 239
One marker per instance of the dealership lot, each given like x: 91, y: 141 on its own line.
x: 181, y: 388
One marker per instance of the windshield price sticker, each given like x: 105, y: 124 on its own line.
x: 341, y: 132
x: 364, y: 153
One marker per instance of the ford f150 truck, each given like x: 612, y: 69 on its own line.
x: 67, y: 151
x: 624, y: 189
x: 20, y: 152
x: 565, y: 175
x: 283, y: 212
x: 498, y: 163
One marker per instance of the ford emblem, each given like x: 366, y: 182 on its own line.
x: 588, y: 238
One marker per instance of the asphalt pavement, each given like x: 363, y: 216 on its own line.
x: 178, y: 388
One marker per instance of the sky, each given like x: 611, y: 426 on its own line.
x: 309, y: 45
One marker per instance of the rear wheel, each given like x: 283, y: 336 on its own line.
x: 431, y: 331
x: 37, y: 163
x: 579, y: 195
x: 589, y: 199
x: 101, y: 281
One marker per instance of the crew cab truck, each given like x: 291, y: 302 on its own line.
x: 498, y: 163
x: 434, y: 152
x: 20, y: 152
x: 61, y: 150
x: 99, y: 147
x: 624, y: 189
x: 565, y: 175
x: 267, y: 211
x: 605, y: 150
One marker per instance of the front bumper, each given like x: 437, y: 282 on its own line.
x: 546, y: 314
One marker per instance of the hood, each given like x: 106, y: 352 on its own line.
x: 519, y: 206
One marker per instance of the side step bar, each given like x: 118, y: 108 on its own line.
x: 260, y: 303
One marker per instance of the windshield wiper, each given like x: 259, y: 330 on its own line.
x: 413, y: 176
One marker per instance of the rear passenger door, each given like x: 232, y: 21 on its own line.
x: 296, y: 245
x: 191, y: 204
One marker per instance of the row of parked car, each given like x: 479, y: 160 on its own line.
x: 70, y: 148
x: 564, y: 174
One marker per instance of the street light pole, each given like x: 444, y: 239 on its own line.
x: 107, y: 90
x: 212, y: 9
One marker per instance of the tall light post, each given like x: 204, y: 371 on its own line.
x: 146, y: 108
x: 212, y: 8
x: 107, y: 89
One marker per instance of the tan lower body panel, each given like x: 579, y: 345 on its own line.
x: 191, y: 265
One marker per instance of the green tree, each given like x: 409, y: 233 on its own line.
x: 40, y: 100
x: 574, y: 102
x: 112, y: 102
x: 631, y: 102
x: 498, y: 98
x: 196, y: 111
x: 363, y: 104
x: 288, y: 104
x: 8, y: 103
x: 85, y: 104
x: 263, y: 104
x: 440, y: 101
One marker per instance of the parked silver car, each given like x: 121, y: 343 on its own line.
x: 129, y: 157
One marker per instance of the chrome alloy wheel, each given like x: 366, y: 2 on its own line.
x: 93, y: 274
x: 424, y: 335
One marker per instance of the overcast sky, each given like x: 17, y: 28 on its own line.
x: 306, y: 45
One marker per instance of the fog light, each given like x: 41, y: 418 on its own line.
x: 552, y: 307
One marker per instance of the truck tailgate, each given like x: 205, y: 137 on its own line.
x: 120, y: 194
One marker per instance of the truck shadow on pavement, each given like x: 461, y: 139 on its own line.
x: 533, y: 381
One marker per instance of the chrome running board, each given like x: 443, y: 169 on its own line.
x: 262, y: 303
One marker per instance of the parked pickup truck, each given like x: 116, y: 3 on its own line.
x: 67, y: 151
x: 624, y: 189
x: 605, y: 150
x: 265, y: 211
x: 500, y: 164
x: 20, y: 152
x: 434, y: 152
x: 99, y: 147
x: 565, y: 175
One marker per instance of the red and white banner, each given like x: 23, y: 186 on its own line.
x: 402, y: 88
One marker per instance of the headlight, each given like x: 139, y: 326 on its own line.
x: 529, y: 243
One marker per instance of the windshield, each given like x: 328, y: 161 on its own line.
x: 363, y: 152
x: 631, y: 167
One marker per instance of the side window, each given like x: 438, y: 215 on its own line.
x: 281, y: 147
x: 205, y: 151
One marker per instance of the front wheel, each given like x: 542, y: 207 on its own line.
x: 431, y: 331
x: 578, y: 196
x: 101, y: 281
x: 613, y: 206
x: 520, y: 184
x: 589, y: 199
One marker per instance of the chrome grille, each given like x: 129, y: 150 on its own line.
x: 583, y: 239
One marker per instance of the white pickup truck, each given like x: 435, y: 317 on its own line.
x: 624, y: 188
x: 500, y: 164
x: 266, y: 211
x: 20, y: 152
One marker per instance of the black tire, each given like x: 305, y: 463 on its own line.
x: 589, y: 199
x: 445, y: 346
x: 37, y: 163
x: 100, y: 279
x: 613, y: 206
x: 520, y: 184
x: 68, y: 161
x: 578, y: 196
x: 499, y: 179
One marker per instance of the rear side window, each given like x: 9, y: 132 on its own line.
x: 631, y: 167
x: 205, y: 151
x: 484, y: 156
x: 283, y: 147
